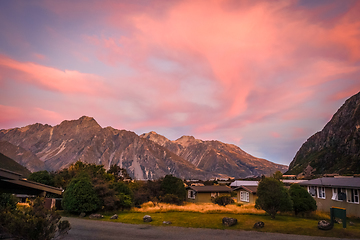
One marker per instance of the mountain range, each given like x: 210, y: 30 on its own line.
x: 335, y: 149
x: 148, y: 156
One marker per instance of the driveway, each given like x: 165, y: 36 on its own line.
x: 82, y: 229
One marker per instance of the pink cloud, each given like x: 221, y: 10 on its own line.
x: 20, y: 116
x: 68, y: 81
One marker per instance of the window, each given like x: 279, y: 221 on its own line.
x: 191, y: 194
x: 244, y: 196
x: 339, y: 194
x: 312, y: 190
x: 321, y: 192
x: 353, y: 196
x: 214, y: 194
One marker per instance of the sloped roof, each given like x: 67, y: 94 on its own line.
x: 353, y: 182
x: 251, y: 189
x: 239, y: 183
x: 210, y: 188
x: 14, y: 183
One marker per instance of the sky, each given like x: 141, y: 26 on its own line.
x: 263, y: 75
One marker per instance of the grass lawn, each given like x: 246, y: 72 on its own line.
x: 246, y: 219
x: 281, y: 224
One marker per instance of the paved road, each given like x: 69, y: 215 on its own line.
x: 91, y: 229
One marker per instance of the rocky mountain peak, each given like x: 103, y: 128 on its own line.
x: 187, y: 140
x: 155, y: 137
x: 336, y: 149
x: 81, y: 124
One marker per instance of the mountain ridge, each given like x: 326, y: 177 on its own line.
x: 84, y: 139
x: 336, y: 148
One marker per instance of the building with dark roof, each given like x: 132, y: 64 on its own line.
x: 342, y: 192
x: 12, y: 182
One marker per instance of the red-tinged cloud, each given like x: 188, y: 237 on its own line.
x: 254, y: 49
x: 244, y: 71
x: 18, y: 116
x: 68, y: 81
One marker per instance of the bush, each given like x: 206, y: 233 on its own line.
x: 171, y: 198
x: 302, y: 201
x: 80, y: 196
x: 272, y: 197
x: 7, y: 202
x: 223, y: 200
x: 34, y: 222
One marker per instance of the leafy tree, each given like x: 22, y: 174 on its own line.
x: 43, y: 177
x: 124, y: 201
x: 223, y: 200
x: 118, y: 172
x: 80, y: 196
x: 278, y: 175
x: 173, y: 185
x: 302, y: 201
x: 272, y: 197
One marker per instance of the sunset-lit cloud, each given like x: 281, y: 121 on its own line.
x: 264, y: 75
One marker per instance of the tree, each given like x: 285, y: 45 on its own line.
x: 173, y: 185
x: 80, y: 196
x: 272, y: 197
x: 302, y: 201
x: 43, y: 177
x: 278, y: 175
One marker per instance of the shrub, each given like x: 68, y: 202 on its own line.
x: 80, y: 196
x: 7, y: 202
x: 171, y: 198
x: 223, y: 200
x: 302, y: 201
x: 272, y: 197
x: 34, y: 222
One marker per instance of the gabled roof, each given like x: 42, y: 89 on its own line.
x: 210, y: 188
x: 352, y: 182
x: 239, y: 183
x: 251, y: 189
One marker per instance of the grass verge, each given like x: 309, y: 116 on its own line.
x: 205, y: 216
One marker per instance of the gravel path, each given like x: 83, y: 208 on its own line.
x: 91, y: 229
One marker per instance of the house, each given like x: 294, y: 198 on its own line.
x: 245, y: 191
x: 203, y: 194
x: 246, y: 194
x: 335, y: 191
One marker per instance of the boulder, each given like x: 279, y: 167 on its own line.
x: 259, y: 225
x: 82, y: 215
x: 115, y: 216
x: 324, y: 225
x: 96, y: 215
x: 167, y: 222
x: 147, y: 218
x: 229, y: 221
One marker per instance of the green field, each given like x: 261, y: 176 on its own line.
x: 281, y: 224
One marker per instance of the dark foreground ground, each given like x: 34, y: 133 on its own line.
x: 82, y: 229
